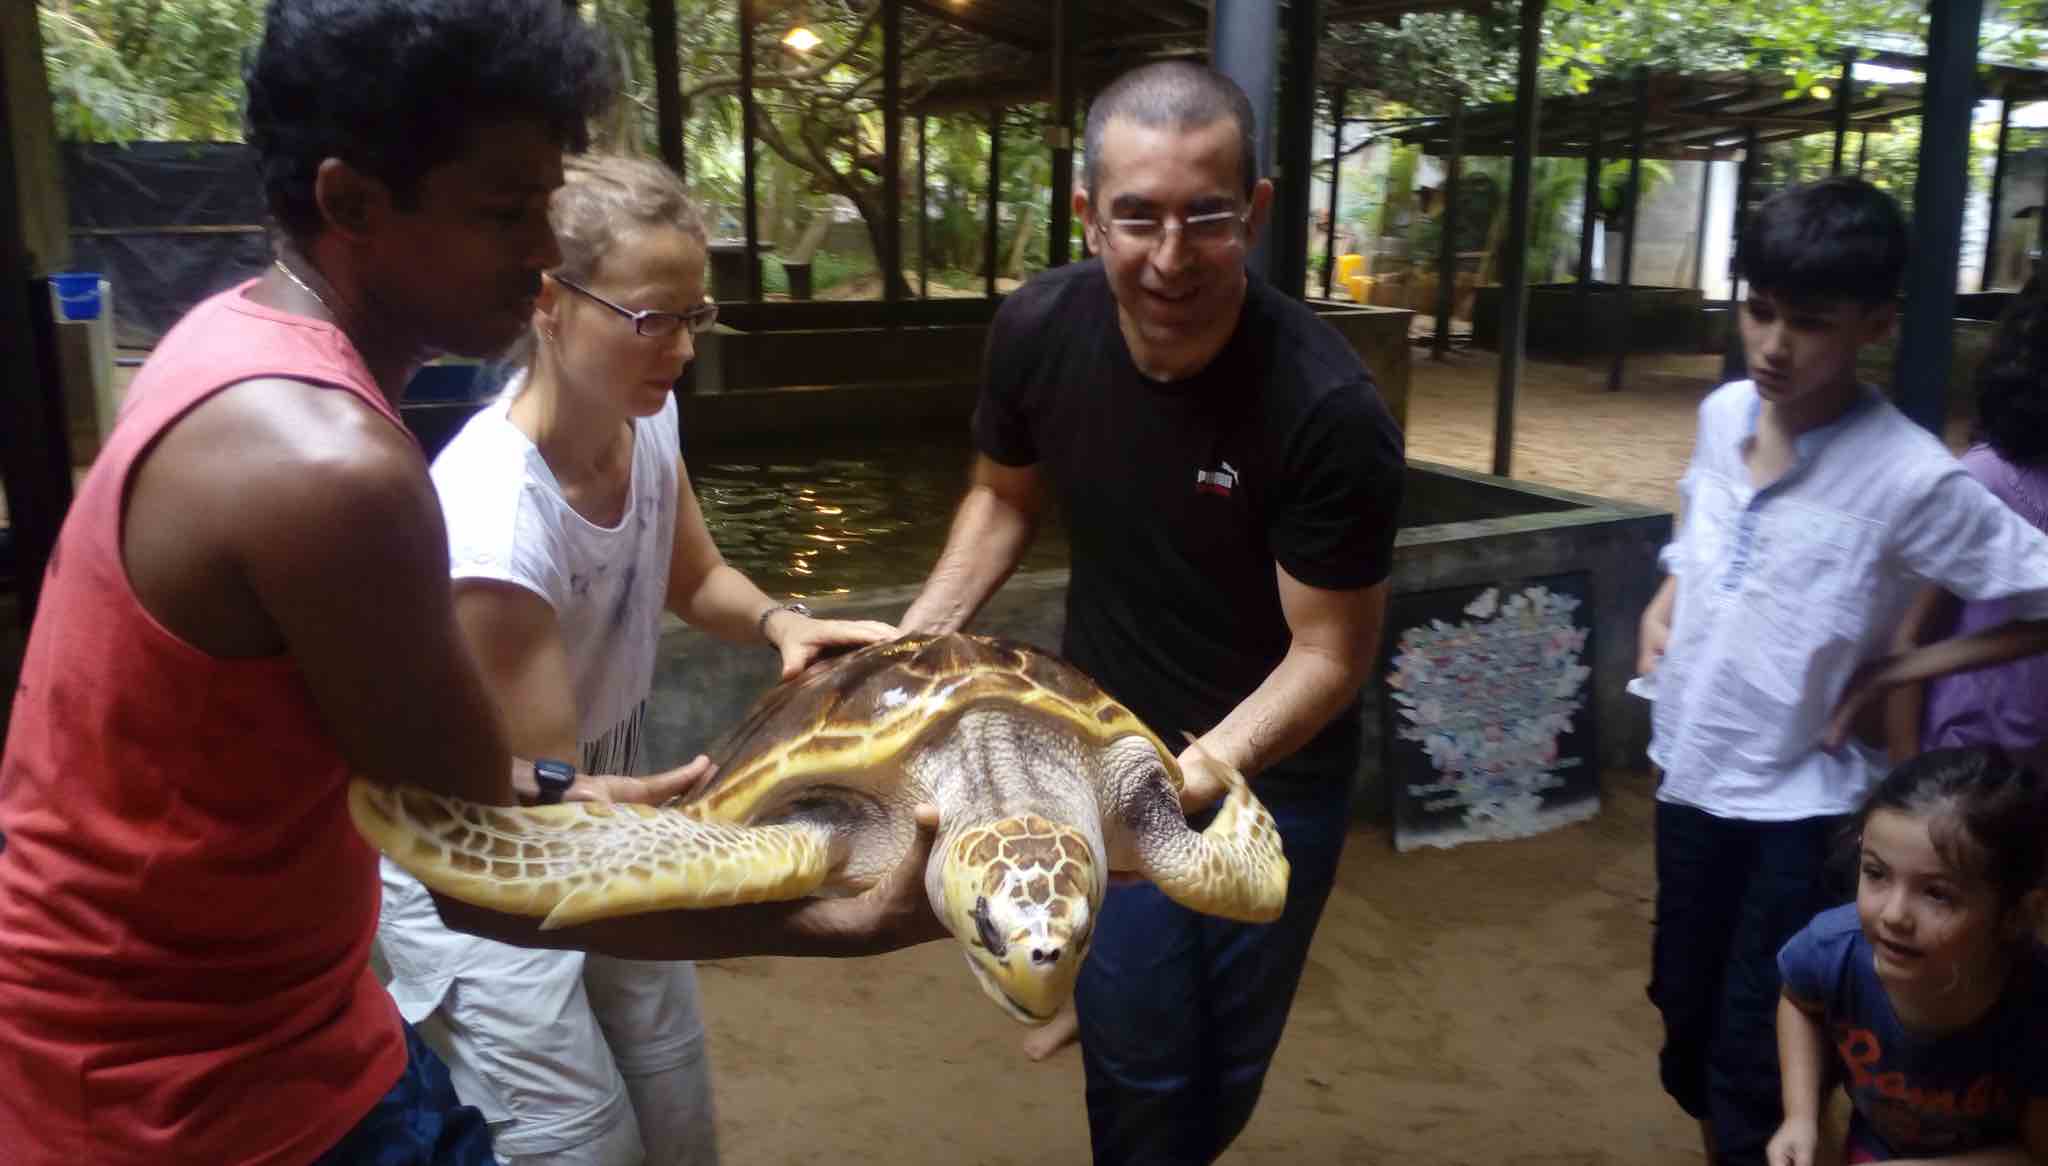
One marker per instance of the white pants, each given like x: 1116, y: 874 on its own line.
x: 574, y: 1059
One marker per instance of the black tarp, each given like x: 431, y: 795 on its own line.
x: 167, y: 223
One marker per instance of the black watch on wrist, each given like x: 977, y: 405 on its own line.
x: 553, y: 777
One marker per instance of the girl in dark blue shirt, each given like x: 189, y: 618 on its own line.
x: 1931, y: 988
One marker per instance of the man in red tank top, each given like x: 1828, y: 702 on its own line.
x: 249, y: 601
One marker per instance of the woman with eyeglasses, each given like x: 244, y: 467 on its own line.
x: 571, y: 528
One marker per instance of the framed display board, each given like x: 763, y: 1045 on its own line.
x: 1487, y: 717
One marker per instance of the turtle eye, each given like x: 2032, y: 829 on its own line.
x: 985, y: 927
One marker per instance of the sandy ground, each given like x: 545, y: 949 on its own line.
x: 1477, y: 1005
x: 1570, y: 431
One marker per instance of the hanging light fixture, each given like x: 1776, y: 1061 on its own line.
x: 799, y: 38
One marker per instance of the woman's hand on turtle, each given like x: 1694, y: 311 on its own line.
x: 801, y: 640
x: 653, y: 790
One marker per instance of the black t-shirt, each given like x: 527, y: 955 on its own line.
x: 1180, y: 497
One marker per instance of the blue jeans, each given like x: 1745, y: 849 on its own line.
x: 418, y: 1123
x: 1180, y: 1012
x: 1730, y: 892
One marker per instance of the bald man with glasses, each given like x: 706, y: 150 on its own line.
x: 1230, y: 479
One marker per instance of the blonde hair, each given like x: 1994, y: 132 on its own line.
x: 604, y: 196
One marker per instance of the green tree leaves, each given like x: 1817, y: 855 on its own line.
x: 158, y: 69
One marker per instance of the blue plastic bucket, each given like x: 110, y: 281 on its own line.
x: 78, y: 294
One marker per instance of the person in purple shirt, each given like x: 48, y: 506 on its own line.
x: 2005, y: 705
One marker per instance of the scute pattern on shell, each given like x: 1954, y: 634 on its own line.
x: 859, y: 712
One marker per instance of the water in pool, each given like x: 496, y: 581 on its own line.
x: 821, y: 516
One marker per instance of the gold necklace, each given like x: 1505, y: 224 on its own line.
x: 294, y: 277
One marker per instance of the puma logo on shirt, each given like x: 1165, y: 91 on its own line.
x: 1220, y: 481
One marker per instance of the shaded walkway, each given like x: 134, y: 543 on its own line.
x: 1569, y: 430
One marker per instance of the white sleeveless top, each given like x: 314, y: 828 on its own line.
x: 508, y: 522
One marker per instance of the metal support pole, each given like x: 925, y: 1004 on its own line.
x: 1294, y: 128
x: 995, y: 201
x: 1060, y: 135
x: 1734, y: 362
x: 1244, y: 45
x: 1926, y: 334
x: 750, y: 212
x: 668, y: 84
x: 1638, y: 126
x: 892, y: 151
x: 1447, y: 246
x: 1992, y: 221
x: 2041, y: 232
x: 924, y: 187
x: 1589, y: 218
x: 1699, y: 227
x: 1338, y: 96
x: 1844, y: 90
x: 1514, y: 292
x: 34, y: 452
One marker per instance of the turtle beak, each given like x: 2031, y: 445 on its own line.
x: 1031, y: 978
x: 1025, y: 931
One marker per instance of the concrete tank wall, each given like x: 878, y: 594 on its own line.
x: 1490, y: 530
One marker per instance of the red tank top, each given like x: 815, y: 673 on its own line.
x: 185, y: 909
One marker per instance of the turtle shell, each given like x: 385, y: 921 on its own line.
x: 849, y: 720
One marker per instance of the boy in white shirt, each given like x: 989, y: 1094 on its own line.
x: 1813, y: 511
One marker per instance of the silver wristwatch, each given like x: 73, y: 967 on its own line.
x: 761, y: 624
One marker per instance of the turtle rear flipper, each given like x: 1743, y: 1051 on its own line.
x: 1234, y: 869
x: 582, y: 861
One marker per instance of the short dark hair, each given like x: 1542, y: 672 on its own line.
x: 1837, y: 239
x: 397, y: 87
x: 2012, y: 382
x: 1986, y: 812
x: 1179, y: 95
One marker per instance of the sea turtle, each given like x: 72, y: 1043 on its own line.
x: 1044, y: 785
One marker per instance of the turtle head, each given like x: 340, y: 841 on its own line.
x: 1021, y: 895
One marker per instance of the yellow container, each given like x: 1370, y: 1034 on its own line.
x: 1347, y: 266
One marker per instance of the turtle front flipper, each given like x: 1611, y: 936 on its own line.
x: 582, y: 861
x: 1233, y: 869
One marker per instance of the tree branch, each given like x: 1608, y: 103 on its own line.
x: 781, y: 79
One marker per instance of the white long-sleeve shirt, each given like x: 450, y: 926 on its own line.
x: 1783, y: 591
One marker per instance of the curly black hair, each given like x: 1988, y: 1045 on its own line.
x: 397, y: 87
x: 1837, y: 239
x: 2012, y: 382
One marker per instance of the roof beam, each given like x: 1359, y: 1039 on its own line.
x: 1502, y: 149
x: 1180, y: 13
x: 970, y: 19
x: 1679, y: 117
